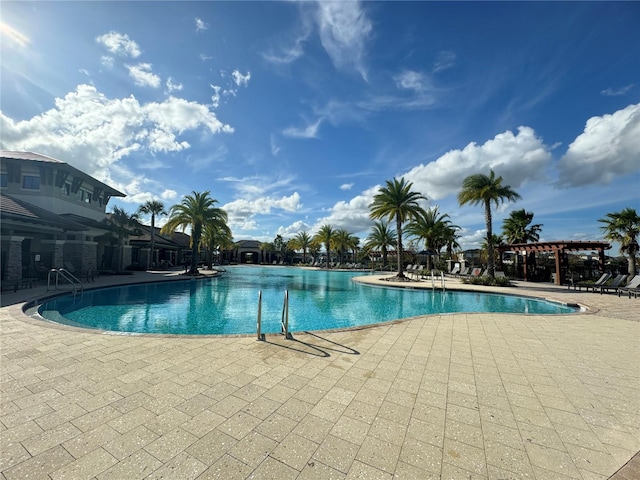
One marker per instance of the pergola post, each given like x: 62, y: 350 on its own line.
x: 601, y: 260
x: 559, y: 272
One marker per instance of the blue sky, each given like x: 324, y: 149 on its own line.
x: 292, y: 114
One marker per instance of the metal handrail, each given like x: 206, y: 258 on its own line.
x: 444, y: 288
x: 68, y: 276
x: 259, y: 321
x: 284, y: 322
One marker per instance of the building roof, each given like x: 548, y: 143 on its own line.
x: 37, y: 157
x: 15, y: 209
x: 569, y: 245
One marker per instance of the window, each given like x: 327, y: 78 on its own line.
x: 3, y: 180
x: 66, y: 189
x: 84, y: 196
x: 31, y: 182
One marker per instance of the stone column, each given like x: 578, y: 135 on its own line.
x: 14, y: 257
x: 53, y: 249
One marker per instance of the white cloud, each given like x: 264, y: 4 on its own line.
x: 612, y: 92
x: 107, y: 61
x: 94, y: 133
x: 143, y: 76
x: 242, y: 211
x: 344, y: 30
x: 288, y: 54
x: 239, y: 79
x: 310, y: 131
x: 173, y: 87
x: 215, y: 98
x: 517, y: 158
x: 119, y: 44
x: 169, y: 194
x: 352, y: 215
x: 293, y: 229
x: 346, y: 186
x: 446, y: 59
x: 205, y: 57
x: 201, y: 26
x: 607, y: 148
x: 411, y: 80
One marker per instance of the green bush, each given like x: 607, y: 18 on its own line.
x: 488, y: 281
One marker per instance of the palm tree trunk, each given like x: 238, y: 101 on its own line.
x: 153, y: 225
x: 197, y: 231
x: 632, y: 263
x: 490, y: 254
x: 399, y: 233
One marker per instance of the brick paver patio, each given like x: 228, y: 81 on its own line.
x: 461, y: 396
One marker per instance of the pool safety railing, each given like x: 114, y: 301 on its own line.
x: 284, y: 322
x: 259, y: 322
x: 66, y: 275
x: 433, y: 280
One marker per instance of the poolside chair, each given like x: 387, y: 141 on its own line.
x: 464, y: 272
x: 614, y: 285
x: 587, y: 285
x: 632, y: 288
x: 455, y: 270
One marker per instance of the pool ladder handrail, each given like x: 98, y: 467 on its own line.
x: 68, y: 276
x: 433, y: 281
x: 284, y: 321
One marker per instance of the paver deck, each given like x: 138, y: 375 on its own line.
x: 459, y: 396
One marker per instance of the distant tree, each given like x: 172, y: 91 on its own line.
x: 433, y: 228
x: 624, y: 227
x: 279, y: 246
x: 154, y: 208
x: 266, y: 248
x: 381, y: 237
x: 326, y: 236
x: 314, y: 248
x: 343, y: 242
x: 195, y: 211
x: 125, y: 224
x: 301, y: 241
x: 216, y: 236
x: 484, y: 190
x: 496, y: 241
x: 396, y: 201
x: 517, y: 228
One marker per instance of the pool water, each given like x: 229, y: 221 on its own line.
x: 318, y: 300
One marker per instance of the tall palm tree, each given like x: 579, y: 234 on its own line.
x: 301, y: 241
x: 381, y: 237
x: 517, y: 227
x: 480, y: 189
x: 125, y: 224
x: 215, y: 237
x: 266, y: 248
x: 624, y: 227
x: 433, y: 228
x: 496, y: 241
x: 326, y: 235
x: 397, y: 202
x: 342, y: 242
x: 195, y: 211
x: 153, y: 208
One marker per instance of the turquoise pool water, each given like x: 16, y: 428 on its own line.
x: 318, y: 300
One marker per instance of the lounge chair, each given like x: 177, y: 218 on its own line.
x: 614, y: 285
x: 464, y: 272
x: 632, y: 288
x: 601, y: 281
x: 455, y: 270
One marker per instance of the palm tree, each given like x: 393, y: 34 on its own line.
x: 397, y: 201
x: 266, y: 248
x: 125, y: 224
x: 624, y: 227
x: 481, y: 189
x: 215, y: 237
x: 195, y: 211
x: 516, y: 229
x: 301, y: 241
x: 153, y: 208
x: 381, y: 237
x: 326, y: 235
x: 433, y: 228
x: 343, y: 241
x: 496, y: 241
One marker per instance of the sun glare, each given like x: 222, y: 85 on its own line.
x: 14, y: 35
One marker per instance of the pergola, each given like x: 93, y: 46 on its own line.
x: 559, y: 248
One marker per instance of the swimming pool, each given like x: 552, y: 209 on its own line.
x: 318, y: 300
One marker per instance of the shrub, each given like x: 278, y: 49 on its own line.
x: 488, y: 281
